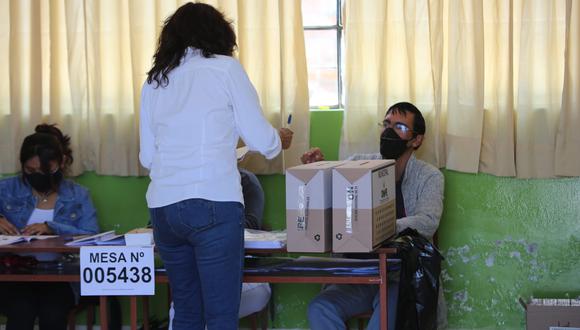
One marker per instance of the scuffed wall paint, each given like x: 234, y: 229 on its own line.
x: 506, y: 238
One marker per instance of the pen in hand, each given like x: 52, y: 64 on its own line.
x: 286, y: 134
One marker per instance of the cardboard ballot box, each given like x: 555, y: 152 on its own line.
x: 363, y: 200
x: 309, y: 207
x: 552, y: 314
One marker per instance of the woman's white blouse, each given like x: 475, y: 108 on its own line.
x: 190, y: 128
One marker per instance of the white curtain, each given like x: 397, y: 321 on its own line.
x: 271, y: 48
x: 497, y: 81
x: 81, y: 64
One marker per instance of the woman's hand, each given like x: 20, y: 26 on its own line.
x: 37, y: 229
x: 285, y: 137
x: 7, y: 228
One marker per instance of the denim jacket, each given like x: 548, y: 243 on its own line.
x: 74, y: 213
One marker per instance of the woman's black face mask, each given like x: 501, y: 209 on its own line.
x: 392, y: 146
x: 44, y: 183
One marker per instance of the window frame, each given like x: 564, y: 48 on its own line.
x: 338, y: 27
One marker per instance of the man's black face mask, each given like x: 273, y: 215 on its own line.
x: 392, y: 146
x: 44, y: 183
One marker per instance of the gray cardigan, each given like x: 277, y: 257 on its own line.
x: 422, y: 188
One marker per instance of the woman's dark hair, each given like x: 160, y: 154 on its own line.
x: 49, y: 144
x: 195, y: 25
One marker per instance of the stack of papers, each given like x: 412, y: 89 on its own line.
x: 260, y: 239
x: 139, y: 237
x: 9, y: 239
x: 106, y: 238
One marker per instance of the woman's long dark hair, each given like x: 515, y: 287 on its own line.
x: 195, y: 25
x: 49, y: 144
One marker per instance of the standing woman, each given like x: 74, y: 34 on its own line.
x: 195, y: 105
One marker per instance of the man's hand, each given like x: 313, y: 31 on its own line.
x: 7, y: 228
x: 312, y: 155
x: 285, y: 137
x: 37, y: 229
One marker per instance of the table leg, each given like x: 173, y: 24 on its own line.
x: 103, y: 312
x: 133, y: 312
x: 145, y: 300
x: 383, y: 290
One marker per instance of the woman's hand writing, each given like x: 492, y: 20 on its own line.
x: 7, y: 228
x: 37, y: 229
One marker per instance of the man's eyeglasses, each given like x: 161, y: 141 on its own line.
x: 398, y: 127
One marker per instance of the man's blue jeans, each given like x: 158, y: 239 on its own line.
x: 337, y: 303
x: 201, y: 245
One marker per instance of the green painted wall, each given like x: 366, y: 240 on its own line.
x: 503, y: 238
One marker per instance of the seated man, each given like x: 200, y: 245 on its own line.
x: 419, y: 204
x: 255, y: 296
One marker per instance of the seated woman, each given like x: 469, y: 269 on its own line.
x: 40, y: 201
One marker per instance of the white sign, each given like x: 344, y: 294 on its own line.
x: 117, y: 271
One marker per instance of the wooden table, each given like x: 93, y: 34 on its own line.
x: 53, y: 245
x: 57, y: 245
x: 381, y: 279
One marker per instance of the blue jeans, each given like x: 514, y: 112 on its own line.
x: 201, y: 244
x: 337, y: 303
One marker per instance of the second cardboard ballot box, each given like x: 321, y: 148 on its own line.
x: 309, y: 207
x: 364, y: 209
